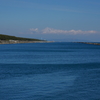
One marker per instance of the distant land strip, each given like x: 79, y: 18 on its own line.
x: 89, y: 43
x: 7, y: 39
x: 19, y: 41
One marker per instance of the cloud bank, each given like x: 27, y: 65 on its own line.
x: 57, y: 31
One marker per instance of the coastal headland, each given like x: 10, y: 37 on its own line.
x: 7, y: 39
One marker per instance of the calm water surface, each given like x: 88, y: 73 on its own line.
x: 49, y: 71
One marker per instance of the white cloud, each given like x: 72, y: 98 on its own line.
x: 34, y: 29
x: 51, y: 30
x: 56, y: 31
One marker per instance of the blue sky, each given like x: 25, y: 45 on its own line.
x: 58, y: 20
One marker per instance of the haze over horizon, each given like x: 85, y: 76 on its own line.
x: 57, y: 20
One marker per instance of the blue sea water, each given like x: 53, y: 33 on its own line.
x: 49, y: 71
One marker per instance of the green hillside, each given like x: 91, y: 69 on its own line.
x: 8, y: 37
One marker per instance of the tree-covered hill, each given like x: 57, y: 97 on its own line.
x: 8, y: 37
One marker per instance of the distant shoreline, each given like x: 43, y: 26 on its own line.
x: 21, y: 41
x: 26, y: 41
x: 89, y: 43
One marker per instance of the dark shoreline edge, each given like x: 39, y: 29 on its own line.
x: 89, y: 43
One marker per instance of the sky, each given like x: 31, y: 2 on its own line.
x: 52, y: 20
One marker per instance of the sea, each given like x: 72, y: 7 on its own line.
x: 50, y: 71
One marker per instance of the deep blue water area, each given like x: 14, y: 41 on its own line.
x: 49, y: 71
